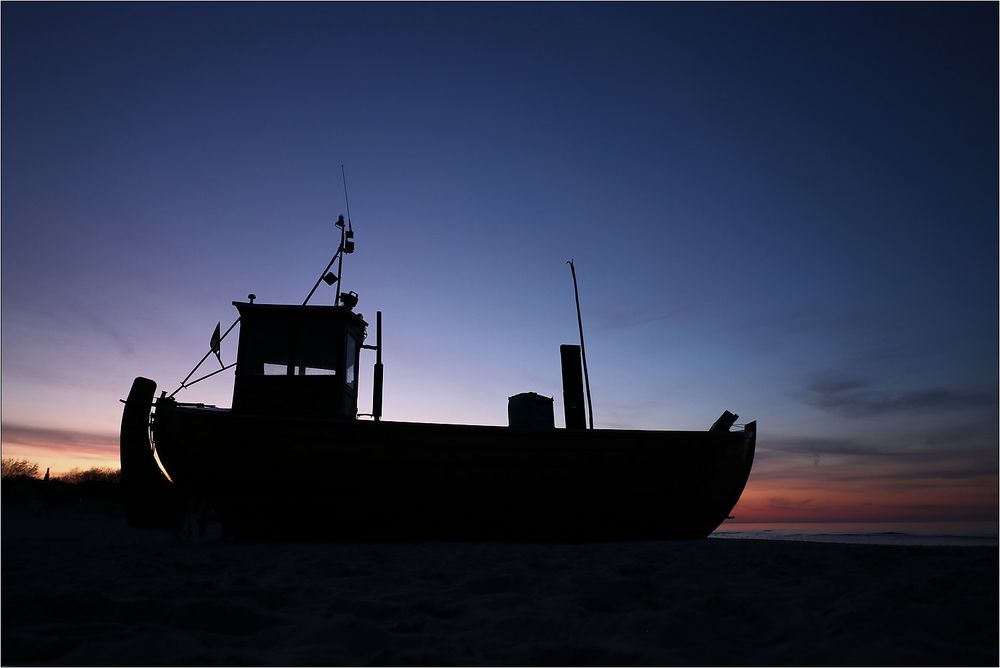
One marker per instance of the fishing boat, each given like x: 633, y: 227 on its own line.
x: 293, y: 458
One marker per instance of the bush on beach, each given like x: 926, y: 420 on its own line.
x: 98, y: 475
x: 95, y: 488
x: 18, y: 468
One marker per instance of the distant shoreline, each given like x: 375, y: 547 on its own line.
x: 982, y: 533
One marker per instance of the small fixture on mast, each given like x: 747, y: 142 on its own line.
x: 350, y: 299
x: 349, y: 239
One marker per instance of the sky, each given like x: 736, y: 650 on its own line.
x: 789, y: 211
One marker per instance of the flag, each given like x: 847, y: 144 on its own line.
x: 216, y: 343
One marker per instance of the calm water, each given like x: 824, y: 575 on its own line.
x: 897, y: 533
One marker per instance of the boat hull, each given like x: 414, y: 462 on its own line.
x: 397, y: 480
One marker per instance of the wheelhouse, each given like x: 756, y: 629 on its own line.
x: 298, y: 360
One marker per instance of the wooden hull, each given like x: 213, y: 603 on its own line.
x: 396, y: 480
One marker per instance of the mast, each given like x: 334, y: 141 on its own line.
x: 346, y: 246
x: 346, y: 236
x: 340, y: 263
x: 327, y: 275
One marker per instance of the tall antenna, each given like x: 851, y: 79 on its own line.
x: 343, y: 175
x: 583, y: 349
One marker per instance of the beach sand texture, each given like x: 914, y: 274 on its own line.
x: 81, y: 588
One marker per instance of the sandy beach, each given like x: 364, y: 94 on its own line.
x: 81, y: 588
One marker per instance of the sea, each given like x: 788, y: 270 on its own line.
x: 872, y: 533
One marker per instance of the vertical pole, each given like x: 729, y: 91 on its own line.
x: 583, y: 349
x: 377, y: 384
x: 340, y: 268
x: 343, y: 232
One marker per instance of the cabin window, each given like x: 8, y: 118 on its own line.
x: 275, y: 349
x: 316, y: 371
x: 352, y: 353
x: 265, y: 350
x: 315, y: 352
x: 275, y: 369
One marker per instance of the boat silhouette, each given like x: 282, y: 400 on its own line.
x: 292, y: 457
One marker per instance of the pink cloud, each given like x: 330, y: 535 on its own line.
x: 60, y: 441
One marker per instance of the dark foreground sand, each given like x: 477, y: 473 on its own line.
x: 80, y: 588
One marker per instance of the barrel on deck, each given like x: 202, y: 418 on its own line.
x: 530, y: 410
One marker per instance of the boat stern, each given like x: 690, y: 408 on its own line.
x: 149, y: 498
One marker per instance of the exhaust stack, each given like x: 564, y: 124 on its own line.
x: 572, y: 379
x: 377, y: 384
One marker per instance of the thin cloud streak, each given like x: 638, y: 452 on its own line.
x: 60, y: 441
x: 791, y: 460
x: 855, y: 397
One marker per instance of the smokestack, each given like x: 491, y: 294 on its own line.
x: 377, y: 384
x: 572, y: 379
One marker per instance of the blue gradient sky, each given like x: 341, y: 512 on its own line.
x: 787, y: 211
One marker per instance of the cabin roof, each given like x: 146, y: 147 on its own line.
x: 293, y: 311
